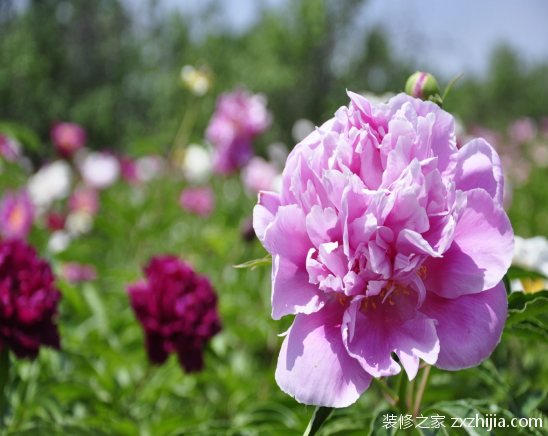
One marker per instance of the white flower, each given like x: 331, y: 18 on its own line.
x: 52, y: 182
x: 100, y: 170
x: 197, y: 164
x: 58, y: 241
x: 79, y: 223
x: 301, y: 129
x: 531, y: 254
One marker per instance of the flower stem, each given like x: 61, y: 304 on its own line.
x: 390, y: 395
x: 421, y: 390
x: 186, y: 126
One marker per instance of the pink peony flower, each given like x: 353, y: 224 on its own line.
x: 84, y: 200
x: 199, y: 200
x: 385, y: 238
x: 74, y: 272
x: 68, y: 137
x: 258, y: 175
x: 28, y: 300
x: 10, y: 149
x: 239, y: 117
x: 16, y: 215
x: 177, y: 309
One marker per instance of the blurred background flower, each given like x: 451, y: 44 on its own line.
x: 177, y: 309
x: 28, y: 300
x: 16, y: 215
x: 68, y: 137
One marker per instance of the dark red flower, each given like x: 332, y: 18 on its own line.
x: 28, y: 300
x: 55, y: 221
x: 177, y: 309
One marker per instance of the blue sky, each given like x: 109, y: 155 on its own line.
x: 447, y: 36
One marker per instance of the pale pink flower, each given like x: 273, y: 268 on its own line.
x: 100, y: 170
x: 16, y: 215
x: 198, y: 200
x: 84, y: 199
x: 74, y: 272
x: 385, y: 239
x: 522, y: 130
x: 258, y: 175
x: 10, y: 149
x: 239, y: 117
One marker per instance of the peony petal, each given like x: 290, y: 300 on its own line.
x: 314, y: 366
x: 288, y: 242
x: 471, y: 265
x: 372, y: 335
x: 469, y: 327
x: 478, y: 166
x: 291, y: 290
x: 265, y: 212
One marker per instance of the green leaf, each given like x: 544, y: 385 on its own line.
x: 4, y: 377
x: 529, y: 401
x: 531, y: 330
x: 456, y: 411
x: 318, y: 418
x: 516, y: 272
x: 451, y: 84
x: 379, y: 425
x: 506, y: 281
x: 522, y: 306
x: 267, y: 260
x: 21, y: 133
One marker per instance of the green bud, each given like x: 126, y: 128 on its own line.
x: 423, y: 86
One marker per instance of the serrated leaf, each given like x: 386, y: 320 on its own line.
x: 522, y: 306
x: 318, y: 418
x: 267, y: 260
x: 531, y: 330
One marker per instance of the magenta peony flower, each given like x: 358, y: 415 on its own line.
x: 177, y: 309
x: 385, y: 238
x: 239, y: 117
x: 28, y: 300
x: 129, y: 170
x: 198, y: 200
x: 74, y: 272
x: 84, y: 200
x: 16, y: 215
x: 68, y: 137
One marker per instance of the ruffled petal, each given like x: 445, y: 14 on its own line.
x: 288, y: 242
x: 481, y: 251
x: 265, y: 212
x: 478, y: 166
x: 371, y: 337
x: 314, y: 366
x: 469, y: 327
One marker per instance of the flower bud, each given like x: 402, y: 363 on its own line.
x: 422, y: 85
